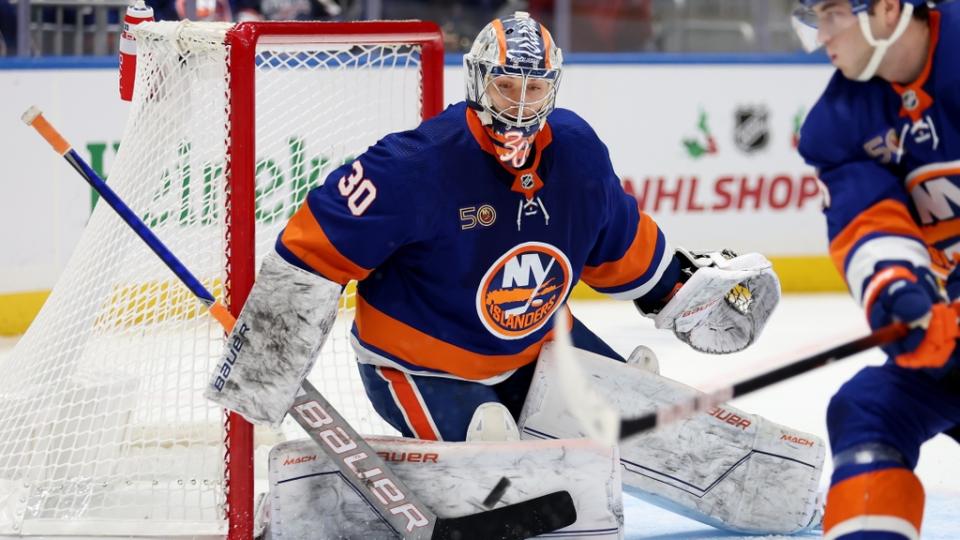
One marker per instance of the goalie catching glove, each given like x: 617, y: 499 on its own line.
x: 723, y: 303
x: 275, y: 341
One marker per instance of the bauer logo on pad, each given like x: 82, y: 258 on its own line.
x: 520, y: 291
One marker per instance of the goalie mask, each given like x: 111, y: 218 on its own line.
x: 512, y: 73
x: 814, y: 25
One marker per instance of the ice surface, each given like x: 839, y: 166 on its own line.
x: 802, y: 325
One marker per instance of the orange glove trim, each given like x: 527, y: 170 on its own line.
x: 938, y: 343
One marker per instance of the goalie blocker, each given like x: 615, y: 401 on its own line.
x: 275, y: 342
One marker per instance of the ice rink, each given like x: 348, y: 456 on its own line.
x: 802, y: 324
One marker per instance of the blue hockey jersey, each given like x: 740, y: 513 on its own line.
x: 889, y: 157
x: 461, y: 260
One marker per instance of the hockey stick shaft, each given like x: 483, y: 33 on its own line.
x: 356, y: 459
x: 666, y: 415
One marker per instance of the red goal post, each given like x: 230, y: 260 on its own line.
x: 242, y: 41
x: 103, y: 427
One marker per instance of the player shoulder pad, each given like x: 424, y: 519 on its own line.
x: 834, y: 130
x: 412, y: 155
x: 573, y: 136
x: 566, y: 123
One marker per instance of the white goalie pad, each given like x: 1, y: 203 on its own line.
x: 729, y: 469
x: 310, y: 499
x: 275, y: 341
x: 725, y: 304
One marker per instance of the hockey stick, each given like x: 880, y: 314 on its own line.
x: 595, y: 417
x: 396, y: 504
x: 599, y: 420
x: 679, y: 411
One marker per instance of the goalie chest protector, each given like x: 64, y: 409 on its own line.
x: 461, y: 261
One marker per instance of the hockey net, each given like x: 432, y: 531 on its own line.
x: 103, y: 427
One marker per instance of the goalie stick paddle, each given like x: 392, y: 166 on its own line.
x: 359, y: 464
x: 595, y: 417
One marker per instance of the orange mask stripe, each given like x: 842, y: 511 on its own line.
x: 420, y: 349
x: 304, y: 237
x: 633, y: 264
x: 889, y: 492
x: 501, y: 41
x: 546, y: 46
x: 408, y: 401
x: 886, y: 216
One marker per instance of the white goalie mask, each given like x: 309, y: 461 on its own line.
x: 512, y: 74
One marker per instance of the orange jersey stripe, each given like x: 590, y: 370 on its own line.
x: 944, y: 230
x: 930, y: 175
x: 892, y: 492
x: 886, y: 216
x: 304, y: 237
x: 633, y: 264
x: 410, y: 404
x: 411, y: 345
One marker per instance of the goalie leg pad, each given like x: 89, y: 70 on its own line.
x: 726, y: 468
x: 310, y: 499
x: 275, y: 341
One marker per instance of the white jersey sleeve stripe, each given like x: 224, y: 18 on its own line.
x: 863, y: 262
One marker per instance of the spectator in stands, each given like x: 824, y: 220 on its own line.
x: 604, y: 25
x: 175, y: 10
x: 8, y: 28
x: 286, y: 10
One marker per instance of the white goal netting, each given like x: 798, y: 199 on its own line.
x: 103, y: 428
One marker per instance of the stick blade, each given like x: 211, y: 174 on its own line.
x: 517, y: 521
x: 598, y: 419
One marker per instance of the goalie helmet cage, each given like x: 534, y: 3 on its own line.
x: 103, y: 427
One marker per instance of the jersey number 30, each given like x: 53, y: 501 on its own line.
x: 359, y: 191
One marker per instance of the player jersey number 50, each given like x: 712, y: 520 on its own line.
x: 522, y: 289
x: 359, y: 191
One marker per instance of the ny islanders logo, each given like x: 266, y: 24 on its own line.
x: 522, y: 289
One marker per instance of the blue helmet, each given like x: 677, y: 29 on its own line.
x: 807, y: 25
x: 514, y: 47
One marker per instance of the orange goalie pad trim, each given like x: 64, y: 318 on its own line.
x: 304, y: 237
x: 411, y: 345
x: 633, y: 264
x: 886, y: 216
x: 892, y: 492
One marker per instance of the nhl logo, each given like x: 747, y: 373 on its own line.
x: 751, y: 129
x: 910, y: 100
x: 526, y: 181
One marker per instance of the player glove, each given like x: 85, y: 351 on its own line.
x: 912, y: 296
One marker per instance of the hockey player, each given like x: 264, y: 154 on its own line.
x: 885, y: 138
x: 466, y: 236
